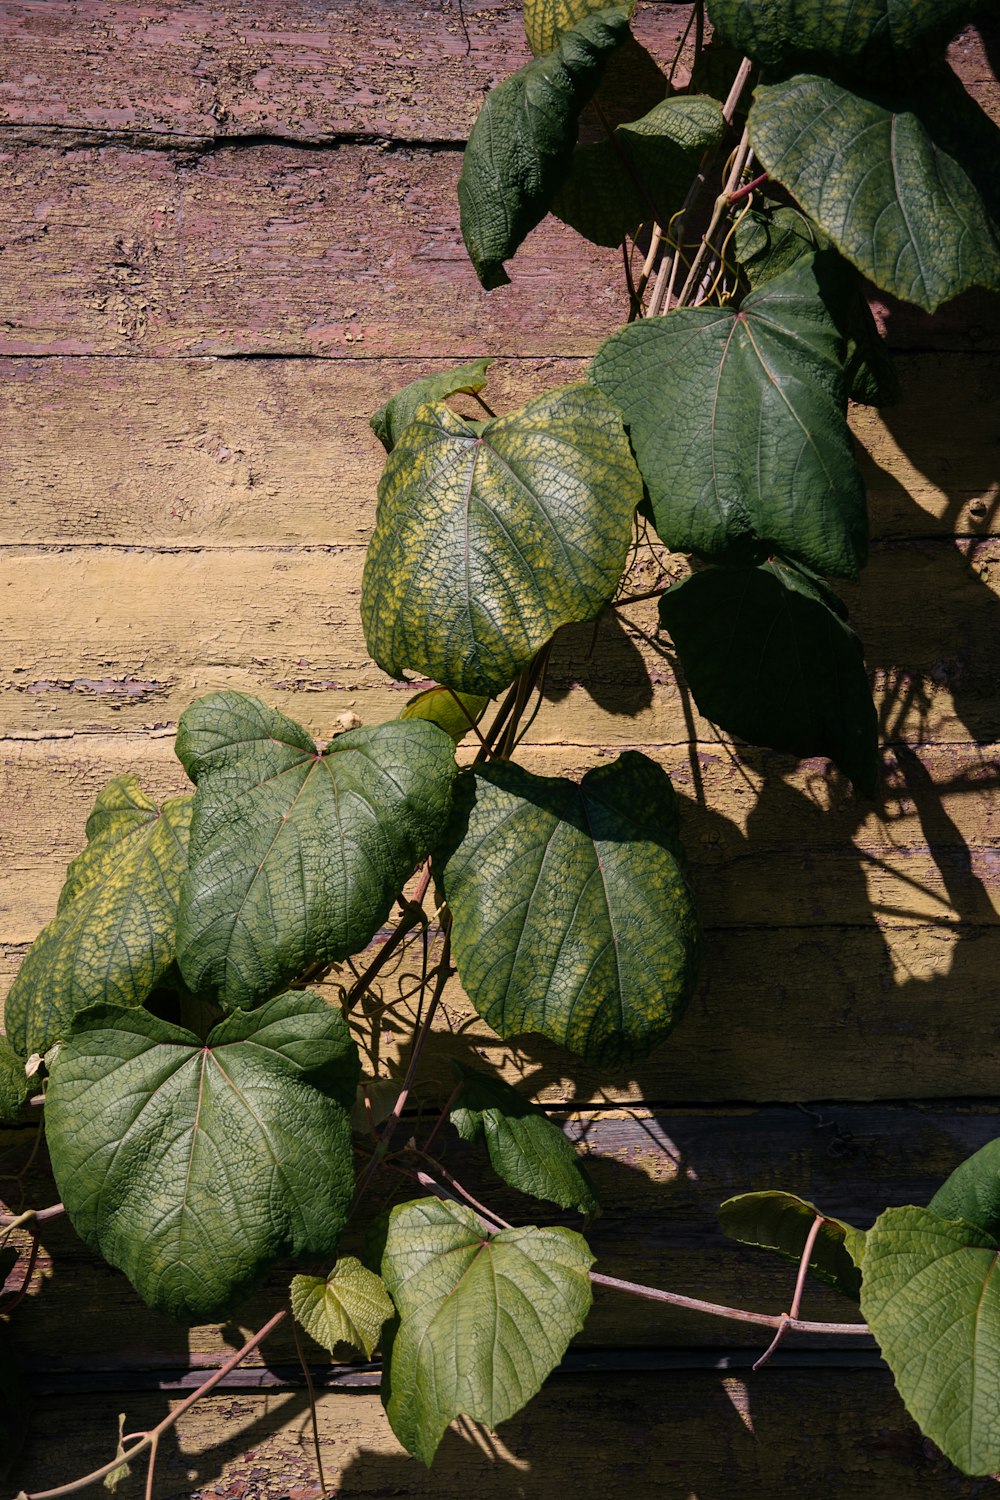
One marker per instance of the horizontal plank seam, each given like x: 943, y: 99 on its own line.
x: 72, y: 137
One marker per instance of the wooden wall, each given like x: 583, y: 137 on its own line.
x: 227, y: 231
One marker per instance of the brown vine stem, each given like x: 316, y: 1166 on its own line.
x: 800, y: 1281
x: 704, y: 250
x: 31, y: 1216
x: 412, y: 917
x: 151, y: 1438
x: 717, y: 1310
x: 304, y: 1363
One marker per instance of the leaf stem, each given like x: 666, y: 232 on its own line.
x: 800, y: 1281
x: 718, y: 1310
x: 31, y: 1216
x: 312, y: 1405
x: 412, y: 917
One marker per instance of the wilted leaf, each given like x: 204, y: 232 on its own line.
x: 485, y: 544
x: 297, y: 856
x: 571, y: 914
x: 526, y: 1148
x: 390, y: 419
x: 455, y: 713
x: 189, y: 1165
x: 483, y: 1318
x: 113, y: 937
x: 781, y: 1222
x: 349, y: 1307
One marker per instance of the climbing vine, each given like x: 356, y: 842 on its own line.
x: 207, y: 1111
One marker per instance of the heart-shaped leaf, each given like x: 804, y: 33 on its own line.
x: 782, y: 1222
x: 738, y: 423
x: 931, y: 1296
x: 906, y: 189
x: 297, y: 855
x: 522, y: 142
x: 113, y: 936
x: 483, y: 1318
x: 526, y: 1148
x: 972, y: 1192
x: 485, y: 544
x: 390, y: 419
x: 456, y: 713
x: 349, y: 1307
x: 546, y: 20
x: 571, y: 914
x: 15, y: 1085
x: 190, y: 1166
x: 770, y: 659
x: 642, y: 173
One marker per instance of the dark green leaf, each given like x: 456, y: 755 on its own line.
x: 522, y: 143
x: 297, y: 856
x: 349, y: 1307
x: 485, y: 545
x: 390, y: 419
x: 769, y: 659
x: 545, y: 21
x: 526, y: 1148
x: 642, y: 174
x: 931, y: 1296
x: 738, y: 423
x: 15, y: 1085
x: 190, y: 1166
x: 972, y: 1192
x: 907, y: 191
x: 570, y: 909
x: 455, y: 713
x: 483, y: 1318
x: 781, y: 1222
x: 113, y: 937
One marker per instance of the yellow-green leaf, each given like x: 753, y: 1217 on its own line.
x: 546, y: 20
x: 349, y: 1307
x: 455, y: 713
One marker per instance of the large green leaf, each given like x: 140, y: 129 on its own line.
x: 738, y: 422
x: 348, y: 1307
x: 15, y: 1085
x: 390, y: 419
x: 545, y: 21
x: 113, y: 936
x: 906, y: 190
x: 522, y: 142
x: 861, y: 34
x: 782, y: 1222
x: 972, y: 1192
x: 770, y: 659
x: 191, y: 1165
x: 483, y: 1318
x: 571, y: 914
x: 297, y: 855
x: 485, y: 544
x: 643, y: 173
x: 931, y: 1297
x: 526, y: 1148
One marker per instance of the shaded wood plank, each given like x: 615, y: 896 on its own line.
x: 207, y: 452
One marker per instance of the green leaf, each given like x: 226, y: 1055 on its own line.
x: 349, y: 1307
x: 931, y: 1297
x: 781, y: 1222
x: 769, y: 658
x: 545, y: 21
x: 571, y: 914
x: 297, y: 856
x: 738, y: 423
x: 907, y: 191
x: 484, y: 1318
x: 390, y: 419
x: 522, y: 143
x: 190, y: 1166
x: 972, y: 1192
x: 455, y: 713
x: 113, y: 936
x: 15, y: 1085
x: 484, y: 545
x: 614, y: 186
x: 526, y: 1148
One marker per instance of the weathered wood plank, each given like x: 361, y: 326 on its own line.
x: 208, y: 452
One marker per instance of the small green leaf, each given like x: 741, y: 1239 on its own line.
x: 455, y: 713
x: 972, y: 1192
x: 112, y: 939
x: 738, y: 423
x: 15, y: 1085
x: 115, y: 1478
x: 770, y: 659
x: 545, y: 21
x: 522, y: 143
x: 485, y: 545
x: 483, y: 1318
x: 906, y: 190
x: 192, y: 1165
x: 526, y: 1148
x: 781, y: 1222
x: 297, y: 856
x: 571, y: 913
x: 349, y: 1307
x: 614, y: 186
x: 931, y: 1297
x: 390, y: 419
